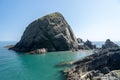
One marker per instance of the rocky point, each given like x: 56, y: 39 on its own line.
x: 98, y: 66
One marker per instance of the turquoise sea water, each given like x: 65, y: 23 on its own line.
x: 18, y: 66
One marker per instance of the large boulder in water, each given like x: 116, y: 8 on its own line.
x: 51, y: 32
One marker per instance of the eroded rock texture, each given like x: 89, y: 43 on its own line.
x: 97, y: 65
x: 51, y: 32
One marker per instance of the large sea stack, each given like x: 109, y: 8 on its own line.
x: 50, y: 32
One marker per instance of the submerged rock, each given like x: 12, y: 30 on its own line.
x: 51, y: 32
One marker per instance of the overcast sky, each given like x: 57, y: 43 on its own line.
x: 95, y: 20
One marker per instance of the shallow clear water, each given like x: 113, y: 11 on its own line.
x: 17, y: 66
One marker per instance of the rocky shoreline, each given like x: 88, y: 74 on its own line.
x: 98, y: 66
x: 53, y: 33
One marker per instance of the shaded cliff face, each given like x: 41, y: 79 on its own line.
x: 51, y: 32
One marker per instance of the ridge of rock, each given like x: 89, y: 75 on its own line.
x: 102, y: 62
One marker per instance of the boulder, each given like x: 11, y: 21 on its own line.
x: 51, y: 32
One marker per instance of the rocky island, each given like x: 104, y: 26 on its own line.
x: 48, y: 33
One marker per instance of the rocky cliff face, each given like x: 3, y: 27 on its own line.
x: 51, y: 32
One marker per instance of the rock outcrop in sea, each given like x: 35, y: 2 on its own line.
x: 80, y: 40
x: 86, y: 45
x: 109, y: 44
x: 50, y: 32
x: 98, y: 66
